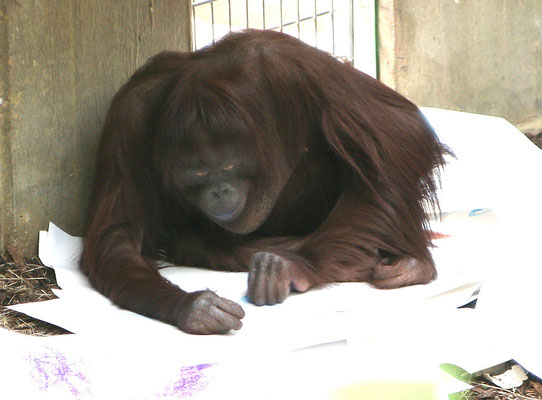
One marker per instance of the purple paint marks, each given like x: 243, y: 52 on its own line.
x: 191, y: 381
x: 53, y: 372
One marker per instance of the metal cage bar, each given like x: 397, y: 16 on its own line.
x: 316, y: 23
x: 213, y: 21
x: 298, y: 22
x: 333, y: 25
x: 229, y: 15
x: 247, y: 8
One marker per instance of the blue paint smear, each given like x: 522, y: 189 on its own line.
x: 479, y: 211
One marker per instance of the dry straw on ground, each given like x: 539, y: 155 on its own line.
x: 22, y: 282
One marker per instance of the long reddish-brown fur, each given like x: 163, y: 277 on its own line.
x: 363, y: 160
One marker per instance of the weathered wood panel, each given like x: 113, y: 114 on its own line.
x: 477, y: 56
x: 62, y: 61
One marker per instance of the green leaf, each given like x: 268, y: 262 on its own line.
x: 457, y: 372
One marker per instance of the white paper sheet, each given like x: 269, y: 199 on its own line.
x: 118, y: 354
x: 498, y: 167
x: 303, y: 320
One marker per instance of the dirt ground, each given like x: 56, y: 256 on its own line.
x: 27, y: 280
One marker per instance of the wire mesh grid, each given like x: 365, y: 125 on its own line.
x: 325, y: 24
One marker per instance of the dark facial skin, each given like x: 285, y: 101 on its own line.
x: 217, y: 182
x: 227, y: 187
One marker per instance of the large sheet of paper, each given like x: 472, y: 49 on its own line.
x: 489, y: 198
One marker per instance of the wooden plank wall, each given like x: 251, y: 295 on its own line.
x: 61, y: 62
x: 469, y: 55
